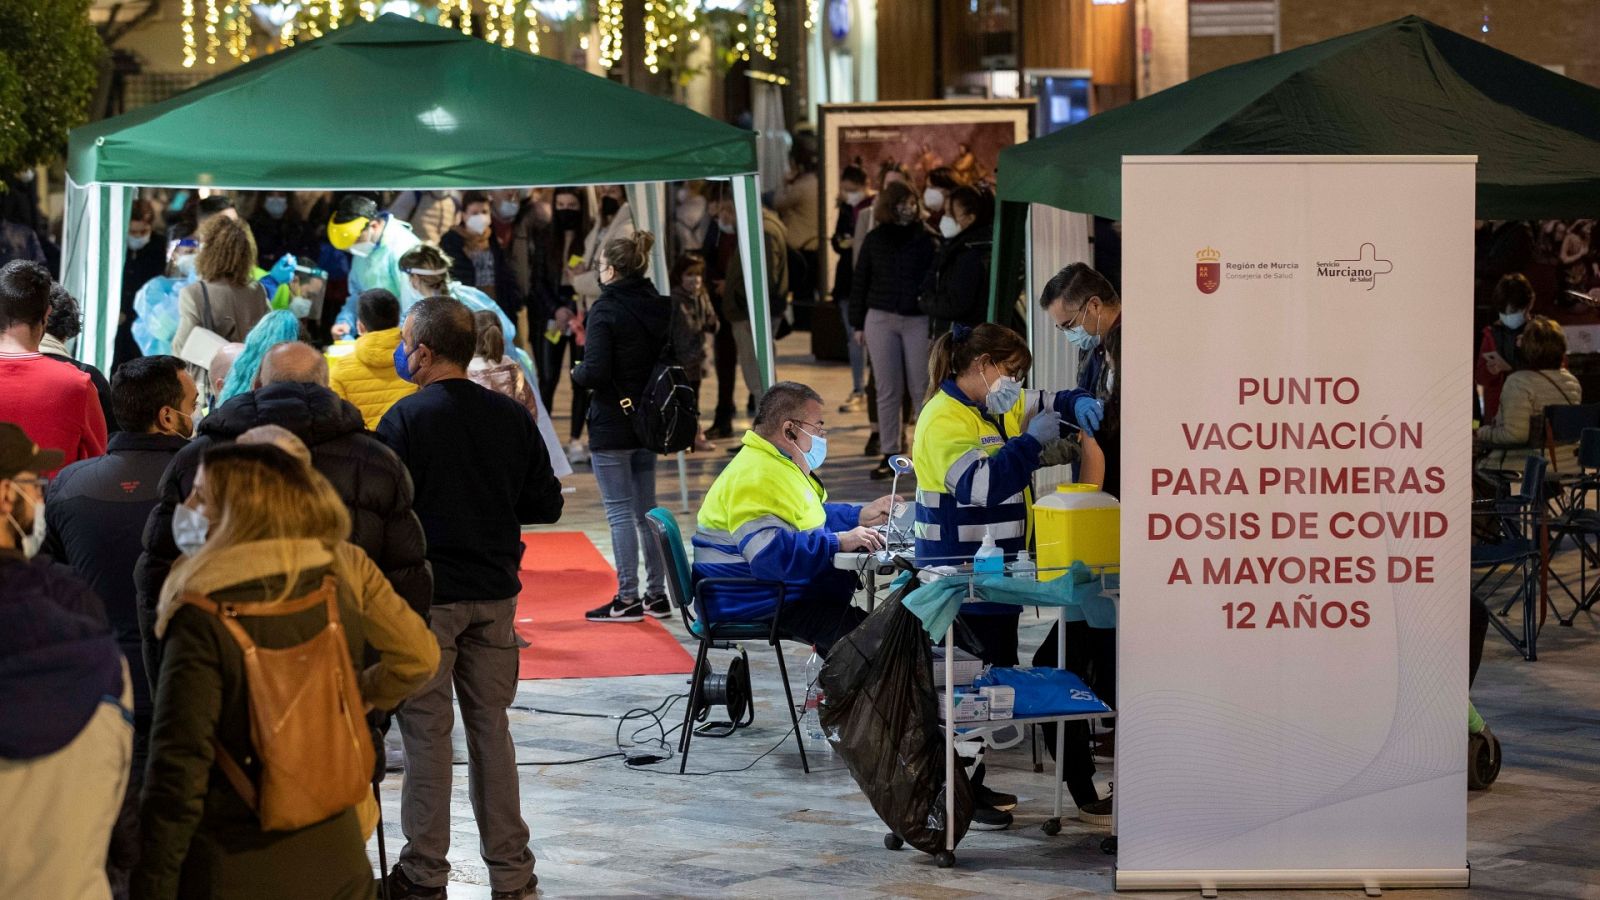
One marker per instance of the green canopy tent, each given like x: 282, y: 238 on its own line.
x: 397, y: 104
x: 1405, y: 87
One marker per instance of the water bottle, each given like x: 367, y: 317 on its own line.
x: 990, y: 559
x: 811, y: 733
x: 1024, y: 569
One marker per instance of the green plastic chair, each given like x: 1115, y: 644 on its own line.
x: 685, y: 594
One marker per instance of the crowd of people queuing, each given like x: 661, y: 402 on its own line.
x: 212, y: 612
x: 294, y: 484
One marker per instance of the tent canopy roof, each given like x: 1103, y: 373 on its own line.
x: 396, y: 103
x: 1405, y: 87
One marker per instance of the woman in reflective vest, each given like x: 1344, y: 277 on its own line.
x: 980, y: 438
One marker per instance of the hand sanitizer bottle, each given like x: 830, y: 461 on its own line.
x: 990, y: 559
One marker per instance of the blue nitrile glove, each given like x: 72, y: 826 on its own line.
x: 1045, y: 426
x: 1089, y: 412
x: 283, y: 269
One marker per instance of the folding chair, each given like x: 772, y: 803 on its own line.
x: 1520, y: 553
x: 1563, y: 425
x: 688, y: 597
x: 1580, y: 523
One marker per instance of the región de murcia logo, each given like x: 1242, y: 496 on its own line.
x: 1208, y: 270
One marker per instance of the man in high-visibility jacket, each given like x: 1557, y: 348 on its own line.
x: 767, y: 516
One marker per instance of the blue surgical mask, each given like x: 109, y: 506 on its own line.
x: 818, y: 454
x: 402, y: 362
x: 1514, y: 320
x: 189, y: 529
x: 1080, y: 337
x: 276, y: 206
x: 185, y: 265
x: 1003, y: 395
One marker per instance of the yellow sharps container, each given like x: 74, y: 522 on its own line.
x: 1077, y: 522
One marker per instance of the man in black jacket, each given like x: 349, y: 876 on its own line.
x: 368, y: 476
x: 482, y: 472
x: 97, y: 510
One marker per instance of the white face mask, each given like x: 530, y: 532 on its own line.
x: 138, y: 243
x: 478, y: 224
x: 189, y: 529
x: 362, y: 248
x: 507, y: 209
x: 409, y: 295
x: 933, y: 198
x: 949, y: 227
x: 185, y: 265
x: 33, y: 538
x: 854, y: 198
x: 300, y: 306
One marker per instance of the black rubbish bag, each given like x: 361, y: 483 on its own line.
x: 881, y: 714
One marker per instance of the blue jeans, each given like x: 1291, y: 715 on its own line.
x: 858, y: 363
x: 627, y: 480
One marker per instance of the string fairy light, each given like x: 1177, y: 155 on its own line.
x: 532, y: 25
x: 766, y: 30
x: 190, y: 54
x: 212, y: 41
x: 610, y: 26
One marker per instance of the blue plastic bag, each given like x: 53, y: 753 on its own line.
x: 1045, y: 692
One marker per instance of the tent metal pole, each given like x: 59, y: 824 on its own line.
x: 753, y: 257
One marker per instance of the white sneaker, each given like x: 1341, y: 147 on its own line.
x: 577, y: 453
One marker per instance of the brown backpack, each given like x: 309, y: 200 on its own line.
x: 306, y: 718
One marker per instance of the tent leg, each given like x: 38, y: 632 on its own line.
x: 683, y: 480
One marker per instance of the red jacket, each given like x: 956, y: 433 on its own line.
x: 55, y: 404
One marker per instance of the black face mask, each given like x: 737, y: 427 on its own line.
x: 609, y: 206
x: 566, y: 219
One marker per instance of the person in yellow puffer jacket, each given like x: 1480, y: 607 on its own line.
x: 367, y: 377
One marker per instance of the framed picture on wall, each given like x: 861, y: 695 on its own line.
x: 912, y: 139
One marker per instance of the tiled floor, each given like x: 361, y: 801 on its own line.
x: 603, y: 829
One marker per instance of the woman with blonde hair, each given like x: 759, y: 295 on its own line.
x: 225, y: 298
x: 427, y: 272
x: 263, y: 536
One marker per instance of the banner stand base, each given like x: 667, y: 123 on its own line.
x: 1209, y: 881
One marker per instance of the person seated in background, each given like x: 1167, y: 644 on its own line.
x: 64, y: 323
x: 767, y: 516
x: 366, y: 377
x: 1512, y: 436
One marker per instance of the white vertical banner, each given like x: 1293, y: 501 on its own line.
x: 1292, y: 641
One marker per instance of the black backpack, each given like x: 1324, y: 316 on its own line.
x: 664, y: 415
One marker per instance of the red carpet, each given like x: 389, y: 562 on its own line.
x: 564, y: 576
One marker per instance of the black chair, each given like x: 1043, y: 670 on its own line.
x: 1519, y: 553
x: 686, y: 595
x: 1565, y: 424
x: 1581, y: 524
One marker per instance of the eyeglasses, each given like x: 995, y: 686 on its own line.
x: 1068, y: 324
x: 816, y: 428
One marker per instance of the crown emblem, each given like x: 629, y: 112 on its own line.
x: 1208, y: 255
